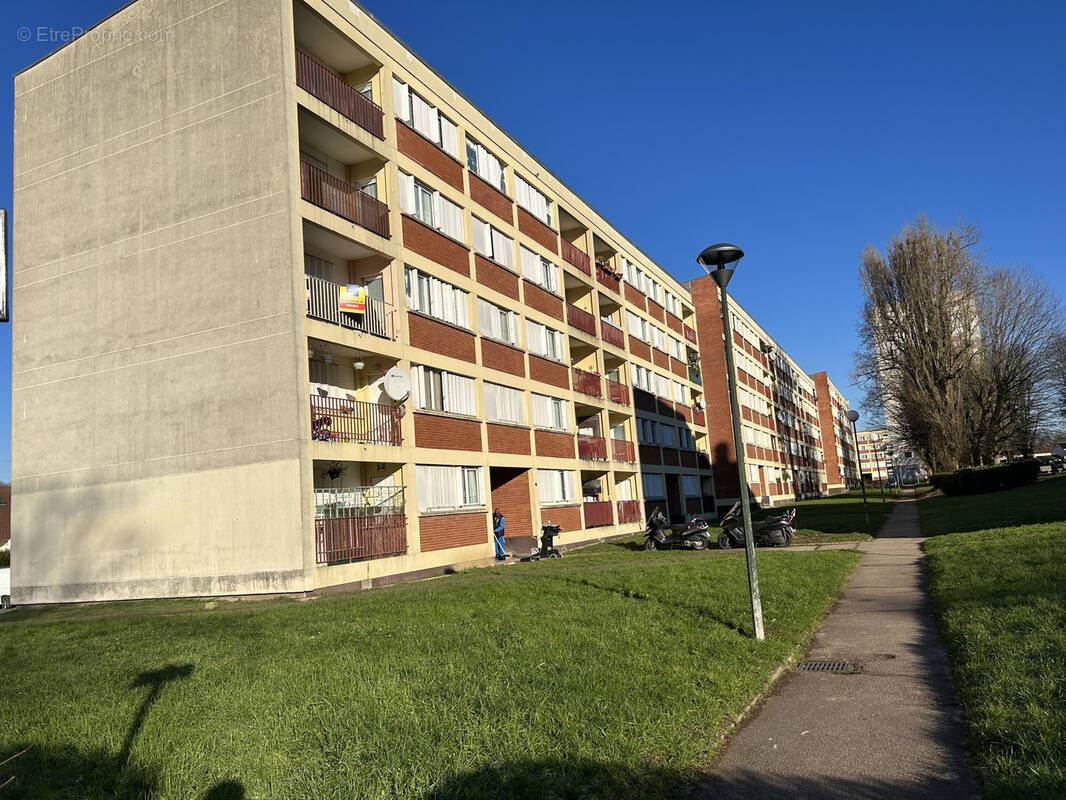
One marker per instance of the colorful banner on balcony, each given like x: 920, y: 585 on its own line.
x: 352, y: 299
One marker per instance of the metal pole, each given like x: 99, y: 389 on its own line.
x: 877, y: 460
x: 738, y: 442
x: 862, y: 483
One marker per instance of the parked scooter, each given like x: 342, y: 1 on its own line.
x: 658, y: 536
x: 773, y: 531
x: 547, y: 548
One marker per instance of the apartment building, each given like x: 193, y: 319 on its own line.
x: 838, y: 440
x: 778, y: 405
x: 320, y: 316
x: 875, y: 456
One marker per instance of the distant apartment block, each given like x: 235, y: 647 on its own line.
x: 875, y: 456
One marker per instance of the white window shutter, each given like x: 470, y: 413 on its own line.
x: 503, y: 249
x: 481, y: 235
x: 449, y: 137
x: 401, y: 99
x: 407, y: 193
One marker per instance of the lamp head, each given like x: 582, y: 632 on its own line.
x: 853, y: 415
x: 716, y: 260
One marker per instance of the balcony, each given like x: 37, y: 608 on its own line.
x: 354, y: 421
x: 575, y: 257
x: 699, y: 417
x: 328, y: 87
x: 695, y: 376
x: 618, y: 392
x: 606, y: 275
x: 363, y: 522
x: 628, y: 511
x: 690, y: 333
x: 320, y: 188
x: 586, y: 382
x: 591, y: 448
x: 323, y: 302
x: 599, y: 514
x: 621, y: 450
x: 580, y: 319
x: 612, y: 334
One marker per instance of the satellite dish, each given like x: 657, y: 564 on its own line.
x: 397, y: 385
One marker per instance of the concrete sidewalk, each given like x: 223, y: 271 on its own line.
x: 891, y: 730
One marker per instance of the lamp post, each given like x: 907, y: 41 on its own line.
x: 877, y: 461
x: 720, y: 260
x: 853, y: 415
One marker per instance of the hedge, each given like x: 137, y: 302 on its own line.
x: 987, y: 479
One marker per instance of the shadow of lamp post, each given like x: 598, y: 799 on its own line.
x: 720, y: 261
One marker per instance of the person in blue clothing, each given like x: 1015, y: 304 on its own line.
x: 498, y: 524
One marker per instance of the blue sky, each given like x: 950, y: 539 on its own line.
x: 801, y: 132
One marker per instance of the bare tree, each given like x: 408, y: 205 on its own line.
x: 1056, y: 356
x: 919, y: 338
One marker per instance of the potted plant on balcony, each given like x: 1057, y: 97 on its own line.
x: 334, y: 469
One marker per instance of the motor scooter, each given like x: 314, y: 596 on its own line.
x: 775, y: 531
x: 658, y: 536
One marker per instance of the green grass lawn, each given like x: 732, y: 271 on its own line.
x: 999, y: 588
x: 605, y: 674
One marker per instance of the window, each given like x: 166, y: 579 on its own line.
x: 685, y: 436
x: 539, y: 270
x: 550, y: 412
x: 624, y: 490
x: 492, y: 243
x: 690, y: 485
x: 555, y: 486
x: 673, y: 305
x: 658, y: 339
x: 642, y: 377
x: 753, y: 473
x: 504, y: 404
x: 437, y: 390
x: 485, y: 165
x: 677, y: 349
x: 448, y: 488
x: 430, y: 206
x: 543, y: 341
x: 646, y: 431
x: 631, y: 274
x: 680, y: 393
x: 662, y: 387
x: 532, y: 200
x: 667, y: 435
x: 497, y: 323
x: 436, y: 298
x: 655, y: 290
x: 318, y: 267
x: 425, y: 118
x: 653, y: 485
x: 321, y: 372
x: 638, y: 326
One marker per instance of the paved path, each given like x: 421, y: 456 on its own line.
x: 893, y: 730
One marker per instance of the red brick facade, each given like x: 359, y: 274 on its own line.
x: 424, y: 152
x: 435, y: 246
x: 635, y: 296
x: 498, y: 356
x: 660, y: 358
x: 670, y: 457
x: 673, y: 323
x: 511, y: 496
x: 655, y: 310
x: 679, y: 368
x: 491, y: 199
x: 568, y: 518
x: 639, y: 349
x: 508, y: 439
x: 543, y: 301
x: 650, y: 454
x: 440, y: 337
x: 444, y: 531
x: 537, y: 231
x: 447, y: 433
x: 550, y: 372
x: 555, y: 445
x: 496, y: 277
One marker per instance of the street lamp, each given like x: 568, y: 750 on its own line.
x: 720, y: 260
x: 877, y: 461
x: 853, y: 415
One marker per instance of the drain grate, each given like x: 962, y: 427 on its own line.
x: 827, y: 666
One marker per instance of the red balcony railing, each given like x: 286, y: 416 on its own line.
x: 599, y: 514
x: 618, y: 392
x: 622, y: 450
x: 581, y: 319
x: 612, y: 334
x: 591, y: 448
x: 587, y: 382
x: 608, y: 278
x: 628, y: 511
x: 360, y: 522
x: 328, y: 87
x: 336, y: 420
x: 699, y: 417
x: 325, y: 191
x: 576, y: 257
x: 690, y: 333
